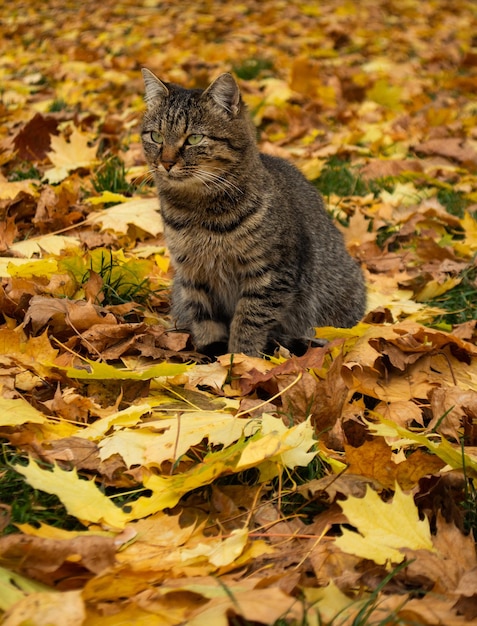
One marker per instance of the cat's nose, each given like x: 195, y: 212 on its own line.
x: 167, y: 165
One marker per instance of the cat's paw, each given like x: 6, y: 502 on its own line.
x: 215, y: 349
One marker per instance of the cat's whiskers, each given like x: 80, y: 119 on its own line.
x: 219, y: 182
x: 222, y: 178
x: 197, y: 177
x: 143, y: 179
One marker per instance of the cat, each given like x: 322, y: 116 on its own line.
x: 258, y: 261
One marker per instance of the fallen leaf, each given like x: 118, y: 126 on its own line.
x: 46, y: 608
x: 67, y: 156
x: 80, y: 497
x: 142, y: 213
x: 384, y: 529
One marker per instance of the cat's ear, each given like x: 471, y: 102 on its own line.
x: 225, y: 92
x: 155, y: 88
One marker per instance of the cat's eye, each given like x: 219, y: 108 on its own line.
x: 157, y: 137
x: 194, y: 140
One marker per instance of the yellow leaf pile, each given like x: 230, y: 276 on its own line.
x: 142, y: 483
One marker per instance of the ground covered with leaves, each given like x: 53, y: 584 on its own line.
x: 143, y: 484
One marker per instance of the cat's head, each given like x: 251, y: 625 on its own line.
x: 196, y: 139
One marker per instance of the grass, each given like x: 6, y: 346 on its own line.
x: 111, y: 176
x: 57, y: 105
x: 338, y: 177
x: 294, y: 504
x: 460, y: 302
x: 251, y: 68
x: 25, y: 172
x: 120, y: 282
x: 454, y: 201
x: 122, y: 279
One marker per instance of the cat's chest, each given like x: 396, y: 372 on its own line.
x: 207, y: 259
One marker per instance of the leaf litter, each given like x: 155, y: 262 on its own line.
x: 338, y: 487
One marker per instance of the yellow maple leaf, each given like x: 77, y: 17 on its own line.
x: 382, y: 293
x: 102, y: 371
x: 14, y: 587
x: 26, y: 268
x: 149, y: 447
x: 31, y: 352
x: 284, y: 446
x: 108, y: 196
x: 405, y: 194
x: 142, y: 213
x: 81, y: 498
x: 45, y: 608
x: 469, y: 245
x: 217, y: 550
x: 67, y: 156
x: 17, y: 411
x: 434, y: 288
x: 452, y: 455
x: 52, y: 244
x: 385, y: 94
x: 384, y: 528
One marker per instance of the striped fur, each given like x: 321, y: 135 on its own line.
x: 257, y: 259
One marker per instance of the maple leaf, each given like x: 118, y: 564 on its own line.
x: 385, y: 528
x: 146, y: 447
x: 80, y: 497
x: 143, y: 213
x: 70, y: 155
x: 451, y: 455
x: 254, y: 604
x: 16, y: 411
x: 219, y: 552
x: 14, y: 587
x: 51, y: 244
x: 28, y: 268
x: 102, y: 371
x: 469, y: 245
x: 46, y: 608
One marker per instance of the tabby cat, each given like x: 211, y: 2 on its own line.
x: 258, y: 262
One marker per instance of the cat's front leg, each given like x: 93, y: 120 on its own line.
x: 192, y: 310
x: 251, y: 326
x: 208, y: 332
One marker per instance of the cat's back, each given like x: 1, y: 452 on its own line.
x: 296, y: 200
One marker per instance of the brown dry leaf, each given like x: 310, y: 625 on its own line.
x: 403, y: 412
x: 373, y: 460
x: 73, y: 451
x: 332, y: 564
x: 451, y: 147
x: 431, y: 609
x: 379, y: 168
x: 345, y: 484
x: 53, y: 560
x: 453, y: 559
x: 416, y: 466
x: 260, y: 605
x: 110, y: 339
x: 61, y: 314
x: 449, y: 407
x: 43, y: 609
x: 33, y: 141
